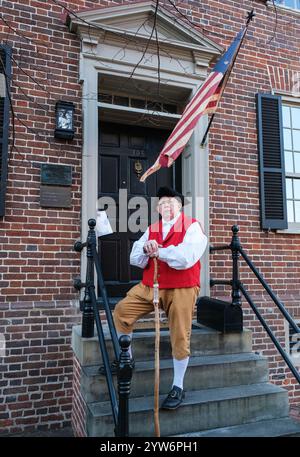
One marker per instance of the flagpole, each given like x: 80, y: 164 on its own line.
x: 249, y: 19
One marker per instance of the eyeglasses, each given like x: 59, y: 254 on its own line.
x: 169, y: 201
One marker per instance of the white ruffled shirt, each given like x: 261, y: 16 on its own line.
x: 179, y: 257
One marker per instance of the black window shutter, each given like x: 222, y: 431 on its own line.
x: 5, y: 74
x: 273, y: 208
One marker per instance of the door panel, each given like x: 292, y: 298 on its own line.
x: 125, y: 153
x: 109, y: 167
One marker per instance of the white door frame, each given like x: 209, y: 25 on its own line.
x: 195, y: 164
x: 184, y: 62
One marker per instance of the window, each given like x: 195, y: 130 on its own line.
x: 273, y: 205
x: 291, y: 132
x: 278, y: 129
x: 295, y: 4
x: 133, y: 102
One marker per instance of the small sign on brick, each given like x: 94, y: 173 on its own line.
x: 56, y: 182
x: 56, y: 196
x: 56, y: 175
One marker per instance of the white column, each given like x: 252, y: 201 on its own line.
x: 195, y: 184
x: 89, y: 76
x: 201, y: 192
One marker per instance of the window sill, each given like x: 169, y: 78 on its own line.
x: 283, y: 7
x: 294, y: 229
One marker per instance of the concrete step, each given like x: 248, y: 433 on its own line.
x: 201, y: 410
x: 268, y: 428
x: 203, y: 372
x: 204, y: 341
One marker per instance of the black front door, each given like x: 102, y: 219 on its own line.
x: 125, y: 152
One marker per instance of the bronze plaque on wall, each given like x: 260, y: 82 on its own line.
x: 56, y: 196
x: 56, y: 175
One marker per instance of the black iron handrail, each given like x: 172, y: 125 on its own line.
x: 271, y: 334
x: 237, y: 287
x: 105, y: 359
x: 268, y: 289
x: 107, y: 309
x: 90, y: 315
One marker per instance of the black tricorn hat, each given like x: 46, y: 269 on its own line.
x: 168, y: 192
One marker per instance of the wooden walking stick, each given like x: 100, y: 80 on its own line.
x: 157, y: 338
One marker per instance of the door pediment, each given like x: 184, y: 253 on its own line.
x: 137, y: 20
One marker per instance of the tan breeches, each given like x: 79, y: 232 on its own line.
x: 178, y: 305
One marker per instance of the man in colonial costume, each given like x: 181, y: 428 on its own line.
x: 178, y: 242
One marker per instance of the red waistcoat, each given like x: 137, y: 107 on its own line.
x: 170, y: 278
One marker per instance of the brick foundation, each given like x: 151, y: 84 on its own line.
x: 37, y: 370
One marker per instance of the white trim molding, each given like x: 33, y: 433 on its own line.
x: 285, y: 8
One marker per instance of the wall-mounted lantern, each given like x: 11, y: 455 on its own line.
x: 64, y: 123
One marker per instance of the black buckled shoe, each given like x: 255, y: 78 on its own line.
x: 114, y: 367
x: 174, y: 398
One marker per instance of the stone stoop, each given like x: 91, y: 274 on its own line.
x: 226, y: 387
x: 283, y: 427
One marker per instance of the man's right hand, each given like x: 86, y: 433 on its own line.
x: 151, y: 247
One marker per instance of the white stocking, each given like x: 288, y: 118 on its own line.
x: 180, y: 367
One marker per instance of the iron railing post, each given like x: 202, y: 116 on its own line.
x: 235, y: 246
x: 88, y: 312
x: 124, y: 374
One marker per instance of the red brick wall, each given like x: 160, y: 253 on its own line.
x: 36, y: 243
x: 37, y: 263
x: 37, y: 370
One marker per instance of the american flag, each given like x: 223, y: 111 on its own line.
x: 205, y: 101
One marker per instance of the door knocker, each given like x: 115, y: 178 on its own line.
x: 138, y: 168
